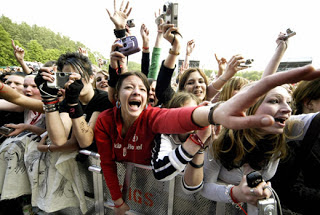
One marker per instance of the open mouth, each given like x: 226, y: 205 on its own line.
x: 135, y: 104
x: 280, y: 120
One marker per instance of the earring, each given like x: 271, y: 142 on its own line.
x: 118, y: 104
x: 146, y: 106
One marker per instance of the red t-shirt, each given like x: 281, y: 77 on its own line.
x: 137, y: 145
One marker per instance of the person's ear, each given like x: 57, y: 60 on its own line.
x: 308, y: 104
x: 91, y: 79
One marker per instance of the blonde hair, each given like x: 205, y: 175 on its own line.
x: 232, y: 146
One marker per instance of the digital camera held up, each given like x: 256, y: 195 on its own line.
x: 130, y: 23
x: 169, y: 14
x: 60, y: 79
x: 130, y: 45
x: 247, y: 63
x: 289, y: 34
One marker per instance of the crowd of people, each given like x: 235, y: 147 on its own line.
x: 213, y: 132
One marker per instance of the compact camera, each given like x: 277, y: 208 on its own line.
x: 130, y: 45
x: 169, y: 14
x: 290, y: 33
x: 248, y: 63
x: 130, y: 23
x: 267, y: 207
x: 60, y: 79
x: 5, y: 130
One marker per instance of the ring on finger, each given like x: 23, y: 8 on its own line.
x: 252, y: 191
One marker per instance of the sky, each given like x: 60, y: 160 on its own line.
x: 227, y: 28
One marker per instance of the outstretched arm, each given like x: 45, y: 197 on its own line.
x: 231, y: 114
x: 18, y: 99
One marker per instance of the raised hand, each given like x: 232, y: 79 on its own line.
x: 119, y: 17
x: 222, y: 63
x: 18, y: 52
x: 190, y: 47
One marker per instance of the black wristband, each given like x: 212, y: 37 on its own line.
x: 210, y: 115
x: 196, y: 165
x: 75, y: 111
x: 120, y: 33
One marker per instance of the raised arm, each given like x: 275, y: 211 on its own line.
x: 145, y: 61
x: 156, y: 53
x: 19, y: 54
x: 282, y: 45
x: 233, y: 66
x: 164, y: 91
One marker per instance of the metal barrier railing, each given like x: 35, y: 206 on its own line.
x: 144, y: 193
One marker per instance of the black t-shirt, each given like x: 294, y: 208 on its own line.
x: 99, y: 102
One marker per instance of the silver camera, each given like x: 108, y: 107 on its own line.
x: 290, y: 33
x: 60, y: 79
x: 248, y: 63
x: 267, y: 207
x: 169, y: 14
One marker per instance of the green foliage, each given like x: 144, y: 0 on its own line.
x: 250, y: 75
x: 39, y: 43
x: 6, y: 53
x: 133, y: 66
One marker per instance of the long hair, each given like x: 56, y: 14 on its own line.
x: 235, y: 147
x: 235, y: 83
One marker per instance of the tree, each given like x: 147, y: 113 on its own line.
x: 35, y: 52
x: 7, y: 58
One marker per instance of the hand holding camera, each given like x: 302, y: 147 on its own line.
x: 43, y: 77
x: 129, y: 45
x: 4, y: 130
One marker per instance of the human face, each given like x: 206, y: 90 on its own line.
x: 133, y: 98
x: 15, y: 82
x: 277, y: 104
x: 152, y: 94
x: 30, y: 88
x: 195, y: 84
x: 102, y: 82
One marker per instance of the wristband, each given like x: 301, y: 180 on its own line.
x: 210, y: 115
x: 197, y: 166
x: 75, y: 111
x: 120, y: 33
x: 118, y: 206
x: 196, y: 139
x: 173, y: 52
x: 50, y: 102
x: 51, y: 107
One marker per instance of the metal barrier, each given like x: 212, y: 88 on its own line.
x: 143, y: 193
